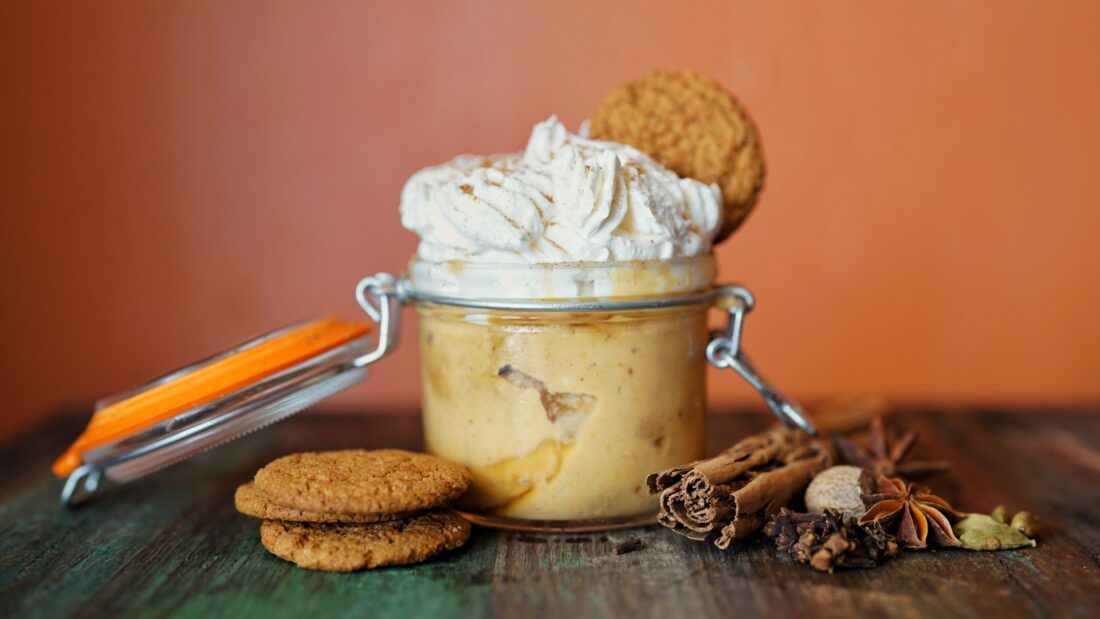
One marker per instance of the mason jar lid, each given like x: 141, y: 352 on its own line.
x: 200, y: 406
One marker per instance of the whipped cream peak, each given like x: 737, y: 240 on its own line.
x: 565, y: 198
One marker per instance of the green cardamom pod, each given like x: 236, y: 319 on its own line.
x: 982, y: 532
x: 999, y: 514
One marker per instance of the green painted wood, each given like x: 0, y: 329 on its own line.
x: 172, y: 545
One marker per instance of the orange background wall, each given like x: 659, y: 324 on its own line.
x: 175, y: 176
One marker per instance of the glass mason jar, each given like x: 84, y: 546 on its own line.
x: 562, y: 414
x: 563, y: 386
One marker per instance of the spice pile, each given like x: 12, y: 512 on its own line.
x: 862, y: 502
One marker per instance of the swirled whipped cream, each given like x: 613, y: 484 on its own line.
x: 566, y: 198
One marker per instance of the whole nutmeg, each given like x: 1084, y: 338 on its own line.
x: 841, y: 488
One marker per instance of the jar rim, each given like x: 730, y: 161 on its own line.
x: 562, y: 281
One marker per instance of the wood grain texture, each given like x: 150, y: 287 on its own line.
x: 172, y: 544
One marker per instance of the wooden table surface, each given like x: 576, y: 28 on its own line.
x: 172, y: 544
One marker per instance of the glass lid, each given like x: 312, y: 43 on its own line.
x: 213, y: 401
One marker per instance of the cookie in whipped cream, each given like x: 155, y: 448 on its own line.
x: 695, y: 127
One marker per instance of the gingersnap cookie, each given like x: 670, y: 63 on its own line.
x: 350, y: 547
x: 251, y: 502
x: 693, y: 126
x: 358, y: 481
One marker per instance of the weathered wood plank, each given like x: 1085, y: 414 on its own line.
x: 172, y: 545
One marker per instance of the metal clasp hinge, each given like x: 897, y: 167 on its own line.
x: 380, y: 296
x: 724, y: 351
x: 81, y: 485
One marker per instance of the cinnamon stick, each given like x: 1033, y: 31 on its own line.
x: 732, y: 495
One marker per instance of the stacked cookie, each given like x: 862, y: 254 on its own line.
x: 341, y: 511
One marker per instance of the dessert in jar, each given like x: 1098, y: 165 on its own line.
x: 562, y: 414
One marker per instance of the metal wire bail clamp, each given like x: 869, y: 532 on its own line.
x: 380, y: 297
x: 724, y: 351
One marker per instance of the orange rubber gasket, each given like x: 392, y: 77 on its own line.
x: 207, y: 384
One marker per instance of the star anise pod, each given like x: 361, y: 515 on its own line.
x: 829, y: 541
x: 884, y: 457
x: 911, y: 512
